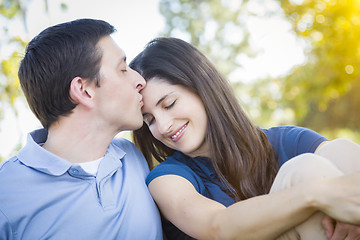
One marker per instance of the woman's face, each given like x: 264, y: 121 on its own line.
x: 175, y: 116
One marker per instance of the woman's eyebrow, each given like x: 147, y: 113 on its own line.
x: 158, y: 102
x: 163, y: 98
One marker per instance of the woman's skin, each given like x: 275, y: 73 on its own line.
x: 176, y: 117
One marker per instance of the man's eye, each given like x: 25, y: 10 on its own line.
x: 124, y: 70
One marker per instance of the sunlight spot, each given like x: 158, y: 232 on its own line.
x: 355, y: 20
x: 320, y: 6
x: 320, y: 18
x: 297, y: 2
x: 306, y: 22
x: 349, y: 69
x: 317, y: 36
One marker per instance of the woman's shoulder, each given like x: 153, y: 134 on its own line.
x: 290, y: 141
x: 175, y: 165
x: 288, y: 133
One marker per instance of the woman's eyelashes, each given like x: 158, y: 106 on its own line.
x: 170, y: 105
x: 150, y: 120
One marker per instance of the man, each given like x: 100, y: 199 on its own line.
x: 72, y: 180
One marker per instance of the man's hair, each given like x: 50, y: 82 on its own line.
x: 55, y: 57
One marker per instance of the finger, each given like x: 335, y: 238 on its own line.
x: 340, y: 232
x: 353, y: 232
x: 329, y: 226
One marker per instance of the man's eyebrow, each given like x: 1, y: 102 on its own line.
x: 121, y: 61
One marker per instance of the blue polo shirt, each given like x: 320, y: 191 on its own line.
x: 43, y: 196
x: 287, y: 142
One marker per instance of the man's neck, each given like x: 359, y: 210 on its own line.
x: 77, y: 143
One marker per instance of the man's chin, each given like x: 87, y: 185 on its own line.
x: 135, y: 125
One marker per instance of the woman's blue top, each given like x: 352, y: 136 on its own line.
x: 287, y: 142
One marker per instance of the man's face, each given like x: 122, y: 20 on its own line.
x: 118, y: 102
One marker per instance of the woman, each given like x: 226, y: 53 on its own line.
x: 217, y: 167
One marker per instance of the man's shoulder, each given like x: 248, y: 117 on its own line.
x: 128, y: 149
x: 123, y: 143
x: 9, y: 166
x: 126, y: 146
x: 13, y: 174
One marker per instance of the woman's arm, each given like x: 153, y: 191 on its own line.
x: 263, y: 217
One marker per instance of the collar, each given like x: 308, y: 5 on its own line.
x: 35, y: 156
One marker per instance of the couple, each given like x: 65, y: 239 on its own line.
x: 73, y: 180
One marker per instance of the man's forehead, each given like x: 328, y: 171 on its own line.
x: 110, y: 48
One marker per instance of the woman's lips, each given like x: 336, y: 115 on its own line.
x: 179, y: 133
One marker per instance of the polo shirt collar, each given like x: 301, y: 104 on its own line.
x: 112, y: 161
x: 35, y: 156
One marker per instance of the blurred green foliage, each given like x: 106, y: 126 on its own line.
x: 324, y: 91
x: 215, y: 27
x: 321, y: 94
x: 12, y: 47
x: 9, y: 84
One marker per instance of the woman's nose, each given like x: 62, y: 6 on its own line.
x: 164, y: 125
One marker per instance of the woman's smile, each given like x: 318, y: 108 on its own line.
x: 177, y: 135
x: 175, y: 116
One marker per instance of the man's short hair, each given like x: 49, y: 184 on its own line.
x: 55, y: 57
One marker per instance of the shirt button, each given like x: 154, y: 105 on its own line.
x: 75, y: 170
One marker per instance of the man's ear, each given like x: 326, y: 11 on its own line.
x: 81, y: 91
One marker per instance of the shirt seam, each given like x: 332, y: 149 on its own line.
x: 312, y: 146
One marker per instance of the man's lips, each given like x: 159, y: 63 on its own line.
x: 141, y: 101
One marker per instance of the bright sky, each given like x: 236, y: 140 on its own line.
x: 137, y: 22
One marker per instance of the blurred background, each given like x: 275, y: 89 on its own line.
x: 290, y: 62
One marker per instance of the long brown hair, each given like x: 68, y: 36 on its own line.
x: 240, y: 152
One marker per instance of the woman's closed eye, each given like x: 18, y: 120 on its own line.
x: 170, y: 105
x: 149, y: 119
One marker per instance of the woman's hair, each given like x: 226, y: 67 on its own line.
x: 240, y: 152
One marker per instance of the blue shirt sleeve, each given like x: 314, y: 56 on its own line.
x: 291, y: 141
x: 174, y: 167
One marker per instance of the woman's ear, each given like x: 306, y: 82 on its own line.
x: 81, y: 91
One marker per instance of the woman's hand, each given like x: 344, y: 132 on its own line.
x: 339, y: 198
x: 336, y: 230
